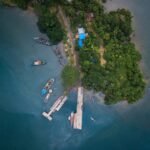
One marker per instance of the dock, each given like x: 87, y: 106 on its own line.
x: 77, y: 118
x: 61, y: 103
x: 55, y: 107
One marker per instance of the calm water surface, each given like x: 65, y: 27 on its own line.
x: 118, y: 127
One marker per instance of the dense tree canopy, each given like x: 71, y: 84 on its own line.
x: 22, y: 3
x: 120, y: 78
x: 70, y: 76
x: 49, y: 24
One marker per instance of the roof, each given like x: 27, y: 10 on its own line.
x: 82, y: 36
x: 80, y: 43
x: 81, y: 30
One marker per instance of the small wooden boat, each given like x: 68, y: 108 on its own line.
x: 42, y: 40
x: 38, y: 62
x: 47, y: 86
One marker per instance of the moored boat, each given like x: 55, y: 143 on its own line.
x: 71, y: 118
x: 42, y: 40
x: 38, y: 62
x: 92, y: 119
x: 48, y: 95
x: 47, y: 86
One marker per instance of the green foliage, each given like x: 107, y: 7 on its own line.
x: 122, y: 64
x: 104, y: 1
x: 49, y: 24
x: 77, y: 10
x: 70, y: 76
x: 89, y: 55
x: 21, y: 3
x: 120, y: 78
x: 50, y: 2
x: 114, y: 25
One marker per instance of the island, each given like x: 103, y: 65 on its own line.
x: 98, y: 45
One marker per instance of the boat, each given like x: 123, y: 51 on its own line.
x: 42, y: 40
x: 38, y: 62
x: 71, y: 118
x: 48, y: 95
x: 92, y: 119
x: 47, y: 86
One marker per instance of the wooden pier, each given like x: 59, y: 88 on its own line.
x: 77, y: 122
x: 55, y: 107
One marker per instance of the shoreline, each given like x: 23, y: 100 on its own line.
x: 62, y: 47
x: 59, y: 48
x: 8, y: 3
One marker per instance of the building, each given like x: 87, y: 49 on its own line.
x: 81, y: 36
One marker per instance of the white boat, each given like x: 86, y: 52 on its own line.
x: 36, y: 38
x: 92, y: 119
x: 38, y: 62
x: 48, y: 95
x: 71, y: 118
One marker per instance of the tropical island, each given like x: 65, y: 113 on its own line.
x: 101, y: 55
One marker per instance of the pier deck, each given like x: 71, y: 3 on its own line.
x: 77, y: 124
x: 55, y: 107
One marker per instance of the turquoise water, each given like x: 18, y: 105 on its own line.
x: 118, y: 127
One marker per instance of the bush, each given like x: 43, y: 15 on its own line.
x: 70, y: 76
x: 49, y: 24
x: 22, y: 3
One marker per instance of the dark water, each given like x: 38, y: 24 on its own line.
x: 118, y: 127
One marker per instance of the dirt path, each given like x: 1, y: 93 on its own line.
x: 102, y: 60
x: 71, y: 41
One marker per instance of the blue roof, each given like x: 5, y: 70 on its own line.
x: 80, y: 43
x: 82, y: 36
